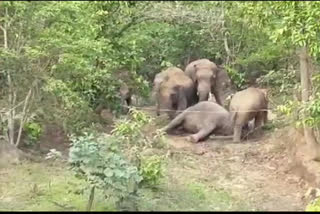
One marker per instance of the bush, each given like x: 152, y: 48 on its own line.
x: 115, y: 163
x: 314, y: 206
x: 151, y: 169
x: 34, y: 131
x: 97, y: 159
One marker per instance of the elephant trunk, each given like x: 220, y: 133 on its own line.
x: 166, y: 106
x: 204, y: 90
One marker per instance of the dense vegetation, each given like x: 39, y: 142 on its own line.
x: 60, y: 60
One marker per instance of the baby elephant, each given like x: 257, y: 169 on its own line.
x: 203, y: 119
x: 245, y: 105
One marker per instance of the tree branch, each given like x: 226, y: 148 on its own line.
x: 23, y: 117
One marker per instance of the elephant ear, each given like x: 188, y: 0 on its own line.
x: 191, y: 72
x: 265, y: 92
x: 215, y: 70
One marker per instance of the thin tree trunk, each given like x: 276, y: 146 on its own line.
x: 11, y: 97
x: 305, y: 92
x: 91, y: 198
x: 225, y: 39
x: 23, y: 119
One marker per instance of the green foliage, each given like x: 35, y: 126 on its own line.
x: 98, y: 161
x: 314, y: 206
x: 129, y: 130
x: 236, y: 77
x: 133, y: 139
x: 34, y: 131
x: 115, y: 163
x: 313, y: 111
x: 151, y: 170
x: 283, y: 81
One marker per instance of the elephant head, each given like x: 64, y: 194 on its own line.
x: 173, y: 100
x: 205, y: 80
x: 203, y: 72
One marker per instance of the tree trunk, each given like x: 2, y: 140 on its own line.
x: 91, y: 198
x: 12, y: 96
x: 305, y: 93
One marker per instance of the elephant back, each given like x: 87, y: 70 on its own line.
x: 249, y: 99
x: 164, y: 76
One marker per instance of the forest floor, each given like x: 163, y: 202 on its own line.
x: 253, y: 175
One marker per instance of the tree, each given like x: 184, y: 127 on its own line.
x: 294, y: 24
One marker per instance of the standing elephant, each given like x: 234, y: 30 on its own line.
x: 248, y: 104
x: 175, y: 92
x: 203, y: 119
x: 125, y: 95
x: 209, y: 78
x: 224, y: 87
x: 160, y: 77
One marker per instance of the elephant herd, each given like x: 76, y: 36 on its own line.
x: 196, y: 100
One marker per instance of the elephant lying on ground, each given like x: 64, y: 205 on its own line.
x: 210, y: 78
x: 209, y: 117
x: 175, y: 92
x: 246, y: 105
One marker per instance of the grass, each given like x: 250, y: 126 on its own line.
x: 50, y: 186
x: 44, y: 187
x: 188, y: 197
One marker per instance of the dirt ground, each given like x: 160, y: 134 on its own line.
x: 258, y: 171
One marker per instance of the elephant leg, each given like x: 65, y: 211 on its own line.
x: 258, y: 122
x: 158, y: 109
x: 237, y: 133
x: 124, y: 107
x: 129, y: 101
x: 265, y: 117
x: 172, y: 114
x: 175, y: 122
x: 201, y: 134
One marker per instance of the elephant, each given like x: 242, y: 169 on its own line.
x: 175, y: 92
x: 224, y: 87
x: 125, y: 95
x: 203, y: 119
x: 246, y: 105
x: 209, y: 78
x: 160, y: 77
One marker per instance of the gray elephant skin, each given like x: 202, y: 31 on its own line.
x: 174, y: 91
x: 210, y: 78
x: 247, y: 105
x: 126, y: 95
x: 203, y: 119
